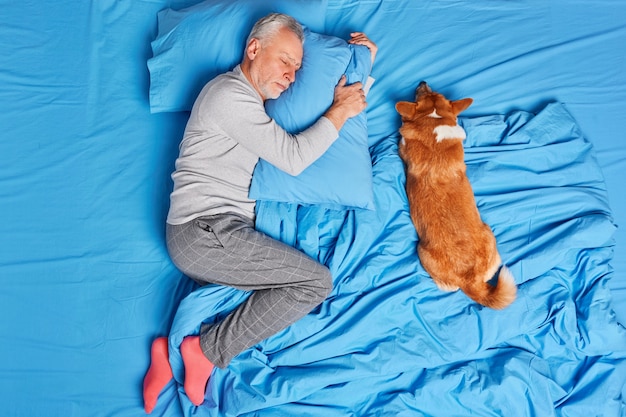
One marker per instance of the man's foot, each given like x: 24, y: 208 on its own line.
x: 158, y: 375
x: 197, y: 369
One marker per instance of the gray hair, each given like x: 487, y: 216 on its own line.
x: 268, y: 26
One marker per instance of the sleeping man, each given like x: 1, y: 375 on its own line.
x: 210, y: 225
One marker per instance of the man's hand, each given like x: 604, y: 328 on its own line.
x: 348, y: 102
x: 359, y: 38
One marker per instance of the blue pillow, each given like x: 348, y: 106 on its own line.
x: 195, y: 44
x: 342, y: 177
x: 186, y: 56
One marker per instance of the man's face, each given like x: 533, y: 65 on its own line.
x: 274, y: 63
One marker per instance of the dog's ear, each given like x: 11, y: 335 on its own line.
x: 406, y: 109
x: 459, y: 105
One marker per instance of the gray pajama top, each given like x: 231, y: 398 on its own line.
x: 227, y: 132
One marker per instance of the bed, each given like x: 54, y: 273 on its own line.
x: 94, y: 98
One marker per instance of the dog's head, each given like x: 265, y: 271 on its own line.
x: 431, y: 105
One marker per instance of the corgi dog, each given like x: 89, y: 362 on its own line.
x: 455, y: 246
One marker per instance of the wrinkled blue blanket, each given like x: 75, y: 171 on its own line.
x: 386, y: 326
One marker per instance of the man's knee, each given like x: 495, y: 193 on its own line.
x: 312, y: 291
x: 323, y: 286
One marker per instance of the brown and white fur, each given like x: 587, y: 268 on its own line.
x: 455, y: 246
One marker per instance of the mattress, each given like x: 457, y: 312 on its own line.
x: 85, y: 181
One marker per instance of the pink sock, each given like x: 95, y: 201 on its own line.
x: 197, y: 369
x: 158, y: 375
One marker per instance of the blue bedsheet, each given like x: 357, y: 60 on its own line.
x: 387, y: 322
x: 86, y: 282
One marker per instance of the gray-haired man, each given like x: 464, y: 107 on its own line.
x: 210, y: 226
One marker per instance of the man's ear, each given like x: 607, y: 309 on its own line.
x: 406, y: 109
x: 253, y: 48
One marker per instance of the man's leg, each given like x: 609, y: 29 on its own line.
x: 227, y: 250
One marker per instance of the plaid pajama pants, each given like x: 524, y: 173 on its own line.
x: 226, y: 249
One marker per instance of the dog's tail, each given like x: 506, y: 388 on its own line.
x: 498, y: 292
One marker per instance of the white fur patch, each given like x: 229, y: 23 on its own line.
x: 434, y: 115
x: 449, y: 132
